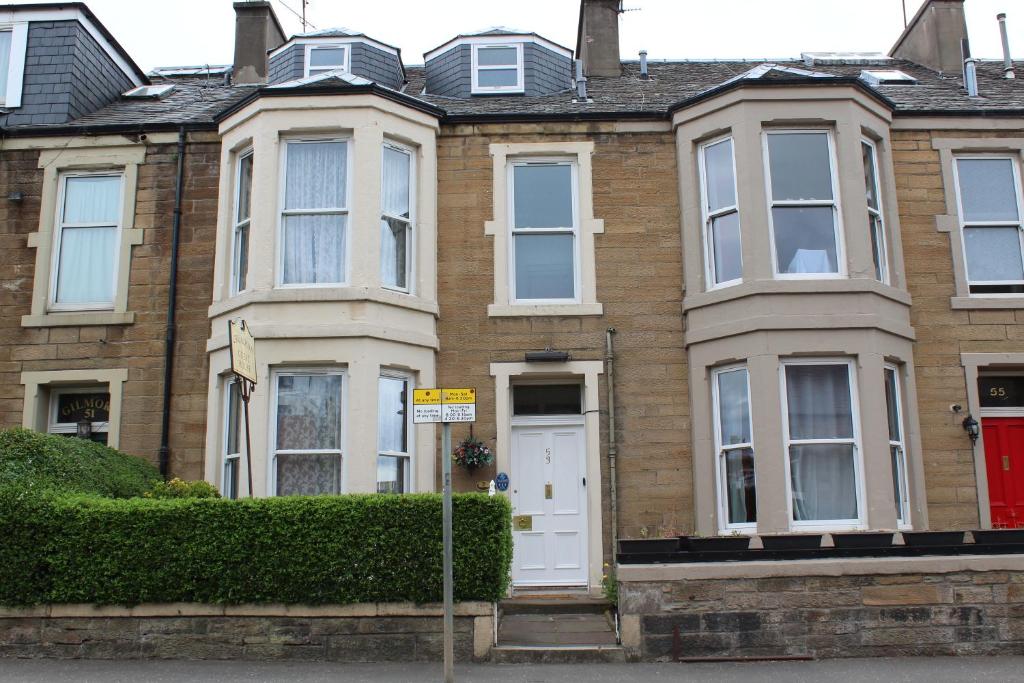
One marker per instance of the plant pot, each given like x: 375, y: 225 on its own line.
x: 869, y: 539
x: 791, y: 542
x: 649, y: 545
x: 932, y: 539
x: 999, y: 536
x: 699, y: 544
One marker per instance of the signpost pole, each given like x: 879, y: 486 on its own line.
x: 449, y: 622
x: 246, y: 389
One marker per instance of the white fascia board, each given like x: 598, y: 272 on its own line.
x: 502, y: 39
x: 72, y: 14
x: 336, y: 40
x: 16, y: 66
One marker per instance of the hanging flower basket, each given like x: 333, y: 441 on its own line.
x: 472, y: 453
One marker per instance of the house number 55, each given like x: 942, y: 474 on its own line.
x: 547, y: 456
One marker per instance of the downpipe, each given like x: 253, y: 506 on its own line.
x: 613, y: 487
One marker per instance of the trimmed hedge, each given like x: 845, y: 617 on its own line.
x: 310, y: 550
x: 34, y: 462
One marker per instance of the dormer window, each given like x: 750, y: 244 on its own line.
x: 498, y: 69
x: 323, y: 58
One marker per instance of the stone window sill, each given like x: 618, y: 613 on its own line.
x: 540, y: 310
x: 969, y: 302
x: 74, y: 319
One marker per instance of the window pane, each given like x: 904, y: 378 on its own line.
x: 543, y: 196
x: 739, y: 486
x: 77, y: 406
x: 993, y: 254
x: 892, y: 406
x: 800, y: 166
x: 544, y: 267
x: 230, y: 486
x: 877, y: 248
x: 92, y: 199
x: 824, y: 482
x: 733, y: 407
x: 308, y: 475
x: 309, y: 412
x: 725, y: 238
x: 234, y: 419
x: 392, y: 420
x: 394, y: 237
x: 5, y: 60
x: 805, y: 239
x: 392, y: 474
x: 326, y: 57
x: 547, y: 399
x: 1001, y: 391
x: 899, y: 493
x: 395, y: 193
x: 314, y: 249
x: 244, y: 208
x: 497, y: 78
x: 241, y: 257
x: 496, y: 56
x: 316, y: 175
x: 819, y: 404
x: 870, y: 175
x: 987, y: 190
x: 721, y: 187
x: 85, y: 272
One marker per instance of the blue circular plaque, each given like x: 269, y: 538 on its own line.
x: 501, y: 482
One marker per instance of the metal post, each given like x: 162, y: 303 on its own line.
x: 449, y: 624
x: 246, y: 388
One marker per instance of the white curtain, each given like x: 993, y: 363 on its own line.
x: 314, y: 244
x: 391, y: 415
x: 823, y: 476
x: 314, y: 248
x: 395, y: 202
x: 309, y: 412
x: 316, y: 175
x: 86, y: 270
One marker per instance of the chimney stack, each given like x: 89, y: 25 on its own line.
x: 597, y: 41
x: 1007, y: 59
x: 932, y: 38
x: 257, y: 32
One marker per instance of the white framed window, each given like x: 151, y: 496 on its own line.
x: 307, y: 432
x: 803, y: 204
x: 497, y: 68
x: 314, y: 215
x: 243, y: 217
x: 233, y: 440
x: 397, y: 218
x: 13, y: 49
x: 876, y: 222
x: 734, y: 449
x: 722, y: 245
x: 71, y: 405
x: 544, y: 231
x: 6, y: 45
x: 394, y: 433
x: 87, y: 241
x: 822, y: 438
x: 989, y: 202
x: 323, y: 58
x: 897, y: 446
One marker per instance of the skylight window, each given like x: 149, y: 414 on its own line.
x: 150, y: 91
x: 886, y: 77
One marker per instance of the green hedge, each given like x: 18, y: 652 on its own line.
x: 311, y: 550
x: 34, y: 462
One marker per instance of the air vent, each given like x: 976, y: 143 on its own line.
x: 151, y: 92
x: 886, y: 77
x: 849, y: 58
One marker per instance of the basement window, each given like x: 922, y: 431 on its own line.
x: 149, y: 91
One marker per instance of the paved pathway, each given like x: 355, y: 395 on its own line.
x: 931, y: 670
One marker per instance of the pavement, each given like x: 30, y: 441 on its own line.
x: 904, y: 670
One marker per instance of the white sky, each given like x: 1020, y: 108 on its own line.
x: 202, y: 31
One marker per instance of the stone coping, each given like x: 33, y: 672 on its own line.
x: 192, y: 609
x: 857, y: 566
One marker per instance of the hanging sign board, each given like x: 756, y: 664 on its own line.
x: 458, y: 405
x: 426, y: 405
x: 243, y: 350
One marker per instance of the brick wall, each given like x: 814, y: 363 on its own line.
x: 639, y: 272
x: 138, y: 347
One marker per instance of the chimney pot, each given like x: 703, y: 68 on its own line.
x: 643, y: 65
x: 257, y: 32
x: 1008, y: 71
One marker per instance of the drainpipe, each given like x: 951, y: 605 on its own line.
x: 172, y: 300
x: 613, y: 488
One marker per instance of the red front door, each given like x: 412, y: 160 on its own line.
x: 1004, y: 462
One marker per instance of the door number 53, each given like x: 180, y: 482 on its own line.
x: 547, y: 456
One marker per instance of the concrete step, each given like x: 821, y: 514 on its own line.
x: 580, y: 654
x: 568, y: 604
x: 541, y: 630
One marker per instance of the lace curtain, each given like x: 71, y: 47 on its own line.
x: 314, y: 240
x: 308, y: 419
x: 394, y: 224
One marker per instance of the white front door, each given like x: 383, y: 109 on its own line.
x: 548, y: 484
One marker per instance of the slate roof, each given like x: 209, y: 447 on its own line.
x: 197, y: 102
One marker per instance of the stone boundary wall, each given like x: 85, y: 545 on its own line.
x: 384, y: 632
x: 870, y: 607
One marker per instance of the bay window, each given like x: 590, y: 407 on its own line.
x: 544, y: 231
x: 393, y: 420
x: 497, y: 68
x: 734, y: 448
x: 876, y: 225
x: 804, y: 212
x: 232, y: 439
x: 87, y: 241
x: 243, y: 215
x: 720, y: 213
x: 821, y: 436
x: 989, y: 198
x: 897, y: 446
x: 396, y: 221
x: 314, y: 221
x: 308, y: 433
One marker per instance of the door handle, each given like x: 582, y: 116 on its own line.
x: 547, y: 491
x: 1006, y: 463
